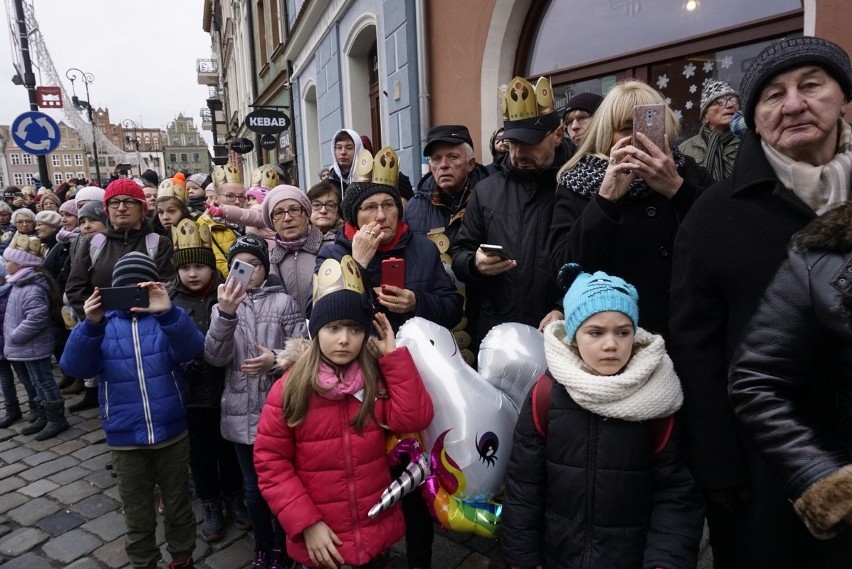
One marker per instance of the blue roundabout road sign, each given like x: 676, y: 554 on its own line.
x: 35, y: 133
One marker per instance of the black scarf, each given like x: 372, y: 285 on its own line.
x: 714, y: 160
x: 586, y: 176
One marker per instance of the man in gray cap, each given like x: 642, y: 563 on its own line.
x: 794, y: 163
x: 715, y: 146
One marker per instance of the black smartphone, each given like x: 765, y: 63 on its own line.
x: 494, y: 251
x: 124, y: 298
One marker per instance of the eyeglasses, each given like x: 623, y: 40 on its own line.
x: 373, y: 208
x: 723, y: 101
x: 126, y: 202
x: 330, y: 206
x: 580, y: 118
x: 294, y: 211
x: 24, y: 222
x: 234, y: 197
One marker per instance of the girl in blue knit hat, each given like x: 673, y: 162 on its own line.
x: 596, y: 478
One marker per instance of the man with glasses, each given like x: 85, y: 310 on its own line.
x: 715, y: 146
x: 345, y: 146
x: 228, y: 189
x: 513, y: 209
x: 578, y: 114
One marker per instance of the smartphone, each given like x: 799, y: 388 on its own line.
x: 650, y: 120
x: 494, y: 251
x: 124, y: 298
x: 393, y: 272
x: 241, y: 272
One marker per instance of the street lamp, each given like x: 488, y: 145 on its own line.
x: 73, y: 74
x: 127, y: 124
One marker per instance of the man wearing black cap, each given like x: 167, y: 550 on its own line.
x: 512, y: 208
x: 578, y: 114
x: 794, y: 163
x: 443, y: 193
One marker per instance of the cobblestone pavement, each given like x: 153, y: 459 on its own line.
x: 59, y: 507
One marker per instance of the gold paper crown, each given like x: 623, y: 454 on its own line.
x: 172, y: 188
x: 383, y: 169
x: 27, y: 243
x: 226, y: 173
x: 264, y: 177
x: 333, y: 276
x: 522, y: 101
x: 186, y: 234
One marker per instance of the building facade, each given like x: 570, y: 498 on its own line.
x: 184, y: 148
x: 390, y: 69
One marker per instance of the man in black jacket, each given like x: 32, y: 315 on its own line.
x: 513, y: 209
x: 726, y: 252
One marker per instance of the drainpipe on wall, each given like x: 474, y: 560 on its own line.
x: 424, y: 97
x: 253, y: 73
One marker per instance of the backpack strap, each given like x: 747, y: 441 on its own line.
x: 661, y: 432
x: 152, y: 243
x: 96, y: 245
x: 541, y: 403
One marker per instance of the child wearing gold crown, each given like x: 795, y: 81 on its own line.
x: 29, y: 330
x: 171, y: 204
x: 320, y: 448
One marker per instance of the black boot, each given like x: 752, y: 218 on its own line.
x: 13, y: 413
x: 33, y: 415
x: 88, y: 401
x: 56, y: 423
x: 40, y: 423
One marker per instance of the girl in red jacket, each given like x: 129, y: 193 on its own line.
x: 320, y: 448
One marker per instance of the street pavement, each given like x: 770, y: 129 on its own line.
x: 59, y: 507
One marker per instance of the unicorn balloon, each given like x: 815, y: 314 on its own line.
x: 462, y: 456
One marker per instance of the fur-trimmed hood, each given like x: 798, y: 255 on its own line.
x: 293, y: 349
x: 831, y: 231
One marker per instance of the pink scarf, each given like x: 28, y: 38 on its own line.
x: 336, y: 388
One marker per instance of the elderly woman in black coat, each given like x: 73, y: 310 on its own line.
x: 618, y: 207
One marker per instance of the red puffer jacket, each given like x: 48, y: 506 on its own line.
x: 324, y: 470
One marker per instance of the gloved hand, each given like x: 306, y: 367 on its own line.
x: 734, y: 500
x: 215, y: 211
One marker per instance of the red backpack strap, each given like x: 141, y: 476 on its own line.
x: 541, y: 403
x: 661, y: 432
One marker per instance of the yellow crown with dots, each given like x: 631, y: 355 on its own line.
x: 172, y: 188
x: 187, y: 235
x: 226, y: 174
x: 27, y: 243
x: 333, y: 276
x: 264, y: 177
x: 523, y: 101
x: 383, y: 169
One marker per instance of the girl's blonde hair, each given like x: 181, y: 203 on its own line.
x: 302, y: 383
x: 615, y: 112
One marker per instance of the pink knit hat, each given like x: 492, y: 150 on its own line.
x: 69, y: 207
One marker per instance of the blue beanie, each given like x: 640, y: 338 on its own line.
x: 590, y: 294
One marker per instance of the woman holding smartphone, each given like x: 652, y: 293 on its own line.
x: 618, y: 207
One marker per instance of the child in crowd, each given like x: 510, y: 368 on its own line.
x: 245, y: 327
x: 29, y: 330
x: 211, y: 458
x: 320, y: 450
x: 7, y: 377
x: 139, y: 355
x: 596, y: 478
x: 171, y: 203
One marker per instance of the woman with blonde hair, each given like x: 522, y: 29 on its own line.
x: 618, y: 206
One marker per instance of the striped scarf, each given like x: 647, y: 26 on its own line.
x: 822, y: 187
x: 714, y: 160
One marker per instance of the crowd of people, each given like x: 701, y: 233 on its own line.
x: 694, y: 299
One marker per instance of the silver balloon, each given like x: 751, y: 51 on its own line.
x: 511, y: 358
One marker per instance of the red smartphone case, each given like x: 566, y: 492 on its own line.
x: 393, y: 272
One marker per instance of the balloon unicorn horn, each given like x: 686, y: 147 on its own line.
x: 413, y: 475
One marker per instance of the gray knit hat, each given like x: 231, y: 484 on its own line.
x: 787, y: 54
x: 134, y: 268
x: 713, y: 90
x: 94, y: 210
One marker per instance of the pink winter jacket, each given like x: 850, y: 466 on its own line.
x: 324, y: 470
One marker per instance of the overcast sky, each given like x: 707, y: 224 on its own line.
x: 141, y: 52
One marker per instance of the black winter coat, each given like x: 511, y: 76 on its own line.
x: 594, y: 495
x: 204, y: 382
x: 632, y: 239
x: 513, y: 210
x: 800, y: 340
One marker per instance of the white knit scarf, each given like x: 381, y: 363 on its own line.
x: 647, y: 388
x: 822, y: 187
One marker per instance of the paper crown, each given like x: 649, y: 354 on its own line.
x: 264, y: 177
x: 27, y: 243
x: 186, y: 234
x: 333, y: 276
x: 383, y: 169
x: 173, y: 188
x: 227, y: 173
x: 523, y: 101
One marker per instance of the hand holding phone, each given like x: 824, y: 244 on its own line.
x: 241, y: 272
x: 495, y: 251
x: 393, y: 272
x: 650, y: 120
